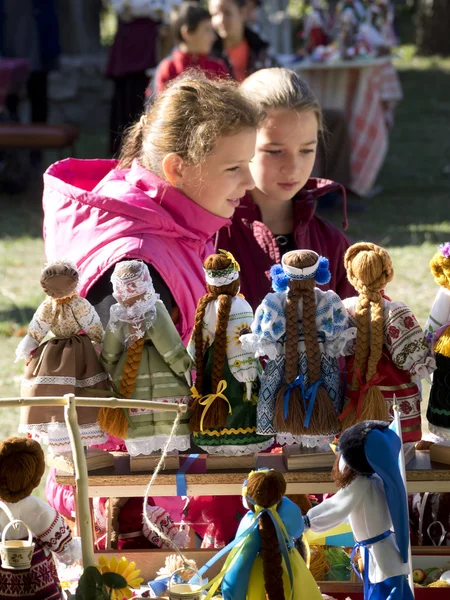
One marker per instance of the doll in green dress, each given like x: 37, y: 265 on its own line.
x: 146, y: 360
x: 225, y: 394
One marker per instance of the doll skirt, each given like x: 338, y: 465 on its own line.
x: 438, y: 412
x: 63, y: 366
x: 40, y: 582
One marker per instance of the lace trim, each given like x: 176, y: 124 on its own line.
x: 238, y: 450
x: 157, y: 442
x: 63, y: 380
x: 253, y: 344
x: 148, y: 411
x: 56, y: 436
x: 439, y: 433
x: 307, y: 441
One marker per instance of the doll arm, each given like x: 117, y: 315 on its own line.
x: 161, y: 518
x: 440, y: 313
x: 38, y: 328
x: 243, y: 365
x: 333, y: 324
x: 88, y: 319
x: 268, y: 326
x: 54, y: 533
x: 335, y: 510
x: 112, y: 350
x: 168, y: 343
x: 406, y: 343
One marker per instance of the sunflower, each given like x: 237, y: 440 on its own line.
x: 127, y: 570
x: 240, y: 330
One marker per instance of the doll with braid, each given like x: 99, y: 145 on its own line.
x: 302, y: 330
x: 265, y: 563
x: 146, y: 360
x: 438, y: 334
x: 224, y: 408
x: 390, y: 353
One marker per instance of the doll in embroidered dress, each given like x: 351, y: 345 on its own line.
x: 390, y: 353
x: 146, y: 359
x: 437, y: 330
x: 22, y: 464
x: 302, y: 330
x: 66, y: 363
x: 224, y: 410
x: 372, y: 497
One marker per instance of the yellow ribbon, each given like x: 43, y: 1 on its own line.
x: 194, y: 393
x: 234, y: 262
x: 207, y: 400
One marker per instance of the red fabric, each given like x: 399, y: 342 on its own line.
x: 130, y: 521
x: 215, y: 518
x: 256, y: 249
x: 179, y: 62
x: 134, y: 48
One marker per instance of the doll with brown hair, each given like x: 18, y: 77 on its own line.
x: 224, y: 409
x: 22, y: 464
x: 438, y: 334
x: 147, y: 360
x: 390, y: 353
x: 66, y: 363
x: 264, y: 563
x: 302, y: 330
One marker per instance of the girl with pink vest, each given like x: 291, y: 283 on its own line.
x: 182, y: 170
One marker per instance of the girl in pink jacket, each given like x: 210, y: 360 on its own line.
x: 183, y: 168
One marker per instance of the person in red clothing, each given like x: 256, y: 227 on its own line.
x: 195, y: 35
x: 278, y: 215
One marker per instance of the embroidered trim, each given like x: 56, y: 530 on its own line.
x: 63, y: 380
x: 241, y: 450
x: 226, y: 431
x: 157, y: 442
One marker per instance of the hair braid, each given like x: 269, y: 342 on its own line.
x: 440, y: 267
x: 114, y: 420
x: 266, y: 489
x: 369, y: 270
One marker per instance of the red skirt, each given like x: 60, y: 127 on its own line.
x: 394, y: 382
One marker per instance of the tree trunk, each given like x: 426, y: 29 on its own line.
x: 433, y: 18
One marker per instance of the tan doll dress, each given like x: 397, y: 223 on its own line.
x: 66, y: 363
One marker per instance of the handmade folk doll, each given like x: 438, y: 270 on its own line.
x: 22, y: 464
x: 302, y: 330
x: 147, y: 360
x: 372, y: 496
x: 224, y: 410
x: 438, y: 333
x: 390, y: 354
x: 66, y: 363
x: 264, y: 562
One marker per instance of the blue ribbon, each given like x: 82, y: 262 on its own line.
x: 363, y: 544
x: 299, y: 381
x: 180, y: 476
x: 308, y: 395
x: 285, y: 546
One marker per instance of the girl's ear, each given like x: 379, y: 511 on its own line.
x: 173, y: 168
x: 184, y: 32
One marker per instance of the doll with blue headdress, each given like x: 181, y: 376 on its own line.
x: 372, y: 496
x: 302, y: 331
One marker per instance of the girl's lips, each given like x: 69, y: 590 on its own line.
x: 288, y: 186
x: 235, y: 202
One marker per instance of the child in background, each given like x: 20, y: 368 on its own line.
x: 192, y: 29
x: 278, y: 215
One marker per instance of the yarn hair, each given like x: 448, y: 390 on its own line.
x: 440, y: 267
x: 266, y: 489
x: 323, y: 418
x: 216, y: 416
x: 369, y: 270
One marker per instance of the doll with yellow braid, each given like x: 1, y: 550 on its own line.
x: 438, y: 334
x: 390, y: 353
x: 223, y: 417
x: 147, y: 360
x: 263, y: 562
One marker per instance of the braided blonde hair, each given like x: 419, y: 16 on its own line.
x: 440, y: 267
x: 216, y: 416
x: 323, y: 419
x: 369, y: 270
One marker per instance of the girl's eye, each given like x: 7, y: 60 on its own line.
x: 233, y: 169
x: 309, y: 151
x: 272, y: 152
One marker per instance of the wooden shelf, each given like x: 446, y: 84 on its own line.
x: 422, y: 476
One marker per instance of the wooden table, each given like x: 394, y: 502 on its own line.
x: 117, y: 481
x: 366, y: 90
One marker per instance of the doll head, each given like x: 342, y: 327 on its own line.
x: 369, y: 270
x: 223, y: 283
x: 440, y: 265
x: 298, y: 274
x: 22, y: 465
x: 59, y: 279
x: 265, y: 489
x: 131, y: 282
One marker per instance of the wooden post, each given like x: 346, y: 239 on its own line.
x: 81, y: 481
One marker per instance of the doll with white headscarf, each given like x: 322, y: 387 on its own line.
x: 146, y: 359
